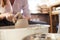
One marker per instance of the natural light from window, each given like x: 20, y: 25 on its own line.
x: 33, y: 4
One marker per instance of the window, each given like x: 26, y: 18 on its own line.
x: 33, y: 4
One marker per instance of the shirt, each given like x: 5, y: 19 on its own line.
x: 6, y: 8
x: 21, y: 5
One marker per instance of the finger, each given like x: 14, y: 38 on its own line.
x: 14, y: 20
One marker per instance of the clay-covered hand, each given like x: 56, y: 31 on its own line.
x: 14, y: 19
x: 2, y: 16
x: 27, y: 17
x: 9, y: 17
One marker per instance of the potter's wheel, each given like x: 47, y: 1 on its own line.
x: 12, y: 33
x: 30, y: 26
x: 48, y: 36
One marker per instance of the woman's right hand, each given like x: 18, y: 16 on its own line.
x: 2, y: 16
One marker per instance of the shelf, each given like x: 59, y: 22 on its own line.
x: 38, y: 13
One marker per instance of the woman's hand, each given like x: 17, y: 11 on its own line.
x: 2, y: 16
x: 11, y: 18
x: 27, y: 17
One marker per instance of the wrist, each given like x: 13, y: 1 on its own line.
x: 26, y: 17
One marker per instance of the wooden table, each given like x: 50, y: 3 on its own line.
x: 50, y: 13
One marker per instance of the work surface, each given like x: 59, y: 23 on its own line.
x: 19, y: 33
x: 30, y: 26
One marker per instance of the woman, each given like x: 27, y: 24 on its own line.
x: 19, y: 5
x: 6, y: 16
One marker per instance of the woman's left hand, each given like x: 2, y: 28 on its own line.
x: 9, y: 17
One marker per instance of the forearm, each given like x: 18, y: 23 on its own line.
x: 26, y: 11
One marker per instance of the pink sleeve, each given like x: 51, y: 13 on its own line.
x: 17, y: 6
x: 8, y: 7
x: 25, y: 8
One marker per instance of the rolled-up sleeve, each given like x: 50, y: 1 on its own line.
x: 16, y: 6
x: 25, y: 8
